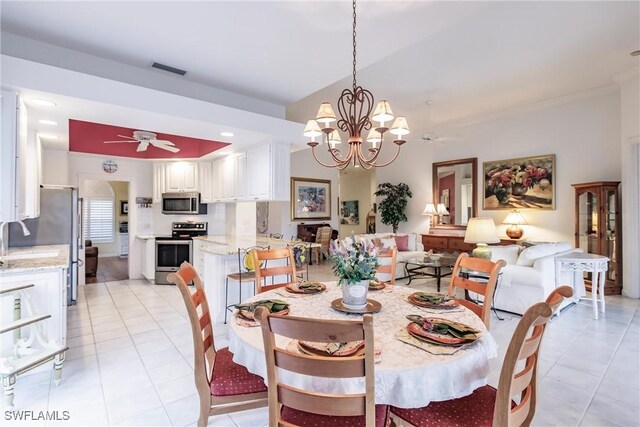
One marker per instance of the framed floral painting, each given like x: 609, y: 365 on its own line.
x: 524, y: 183
x: 310, y: 198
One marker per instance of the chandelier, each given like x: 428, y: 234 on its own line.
x: 354, y: 107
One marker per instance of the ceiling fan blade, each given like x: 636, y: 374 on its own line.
x: 168, y: 148
x: 116, y: 142
x: 142, y: 146
x: 128, y: 137
x: 157, y: 142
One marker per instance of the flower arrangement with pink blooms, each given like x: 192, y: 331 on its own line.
x: 354, y: 261
x: 525, y: 175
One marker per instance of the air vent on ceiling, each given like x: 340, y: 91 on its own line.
x: 173, y: 70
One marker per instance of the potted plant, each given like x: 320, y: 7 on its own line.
x: 356, y: 264
x: 393, y: 206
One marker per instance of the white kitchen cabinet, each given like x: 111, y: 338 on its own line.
x: 19, y: 162
x: 268, y: 176
x: 240, y: 177
x: 206, y: 182
x: 181, y: 177
x: 158, y: 182
x: 149, y: 258
x: 216, y: 171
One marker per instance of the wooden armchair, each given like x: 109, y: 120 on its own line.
x: 223, y: 385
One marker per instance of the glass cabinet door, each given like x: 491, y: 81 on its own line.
x: 610, y: 232
x: 588, y: 222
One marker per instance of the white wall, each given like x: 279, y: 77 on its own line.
x: 55, y: 167
x: 356, y: 186
x: 584, y: 135
x: 630, y: 158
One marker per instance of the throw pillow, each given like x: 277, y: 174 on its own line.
x: 388, y: 243
x: 508, y: 253
x: 413, y: 240
x: 402, y: 242
x: 377, y: 242
x: 530, y: 255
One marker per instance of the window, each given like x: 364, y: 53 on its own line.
x: 99, y: 220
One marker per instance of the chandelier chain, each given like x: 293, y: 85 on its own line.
x: 354, y: 46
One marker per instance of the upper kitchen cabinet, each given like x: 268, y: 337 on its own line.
x: 158, y: 182
x: 20, y: 162
x: 181, y: 176
x: 205, y: 181
x: 268, y: 172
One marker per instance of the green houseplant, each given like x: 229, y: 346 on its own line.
x: 393, y: 206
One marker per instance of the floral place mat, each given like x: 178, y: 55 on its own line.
x: 404, y: 336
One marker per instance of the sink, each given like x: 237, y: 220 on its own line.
x: 29, y: 255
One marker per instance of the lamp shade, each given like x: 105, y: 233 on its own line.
x: 429, y: 209
x: 515, y: 218
x: 374, y: 136
x: 334, y: 138
x: 326, y: 114
x: 442, y: 209
x: 400, y: 127
x: 383, y: 112
x: 481, y: 230
x: 312, y: 129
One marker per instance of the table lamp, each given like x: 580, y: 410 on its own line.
x: 442, y: 211
x: 481, y: 231
x: 515, y: 219
x: 430, y: 210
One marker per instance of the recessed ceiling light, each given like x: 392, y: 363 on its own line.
x: 226, y: 133
x: 635, y: 53
x: 48, y: 122
x: 43, y: 102
x: 48, y: 136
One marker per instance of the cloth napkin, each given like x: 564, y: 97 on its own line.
x: 273, y: 305
x: 310, y: 286
x: 431, y: 298
x: 445, y: 327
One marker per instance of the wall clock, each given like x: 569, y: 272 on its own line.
x: 109, y: 166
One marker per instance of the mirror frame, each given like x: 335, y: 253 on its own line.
x: 474, y: 184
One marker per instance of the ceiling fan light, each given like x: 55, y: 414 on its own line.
x: 400, y: 127
x: 383, y: 112
x: 312, y: 129
x: 326, y: 114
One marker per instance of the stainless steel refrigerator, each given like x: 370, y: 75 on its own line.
x: 59, y: 223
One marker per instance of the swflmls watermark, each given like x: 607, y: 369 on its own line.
x: 37, y: 415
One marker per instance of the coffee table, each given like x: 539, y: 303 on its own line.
x: 425, y: 267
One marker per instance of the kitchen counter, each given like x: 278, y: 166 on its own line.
x: 229, y: 245
x: 35, y: 258
x: 145, y: 236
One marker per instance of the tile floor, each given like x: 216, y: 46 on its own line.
x: 130, y: 363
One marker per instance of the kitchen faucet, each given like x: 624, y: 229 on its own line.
x: 3, y: 243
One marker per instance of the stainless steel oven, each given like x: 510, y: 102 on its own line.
x: 170, y: 254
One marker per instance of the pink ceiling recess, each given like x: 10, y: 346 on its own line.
x: 88, y: 137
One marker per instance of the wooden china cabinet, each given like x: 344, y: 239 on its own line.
x: 598, y: 228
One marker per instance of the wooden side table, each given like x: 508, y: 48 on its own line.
x: 578, y: 263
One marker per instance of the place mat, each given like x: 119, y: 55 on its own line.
x: 294, y: 347
x: 376, y: 286
x: 404, y: 336
x: 299, y: 287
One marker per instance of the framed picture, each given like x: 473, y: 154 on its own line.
x: 444, y: 198
x: 524, y: 183
x: 124, y: 207
x: 310, y: 198
x: 349, y: 213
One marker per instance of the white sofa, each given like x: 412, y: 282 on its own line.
x: 530, y: 275
x: 416, y: 248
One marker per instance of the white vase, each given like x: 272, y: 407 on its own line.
x: 354, y: 295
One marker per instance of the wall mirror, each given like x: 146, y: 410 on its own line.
x: 455, y: 186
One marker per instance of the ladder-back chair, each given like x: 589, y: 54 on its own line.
x: 267, y: 261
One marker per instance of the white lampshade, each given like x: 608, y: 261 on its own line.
x: 481, y: 230
x: 515, y: 218
x: 334, y: 138
x: 442, y: 209
x: 429, y: 209
x: 312, y: 129
x: 326, y: 114
x: 400, y: 127
x: 374, y: 136
x: 383, y: 112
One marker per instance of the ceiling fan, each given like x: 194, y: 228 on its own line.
x: 144, y: 139
x: 429, y: 136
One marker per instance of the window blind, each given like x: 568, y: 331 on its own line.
x: 99, y: 220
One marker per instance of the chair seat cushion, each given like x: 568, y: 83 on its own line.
x: 230, y: 379
x: 473, y: 410
x: 307, y: 419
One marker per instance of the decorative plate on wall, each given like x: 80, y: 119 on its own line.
x: 109, y: 166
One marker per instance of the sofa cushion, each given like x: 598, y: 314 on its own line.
x: 529, y: 255
x: 388, y: 243
x: 402, y: 242
x: 508, y: 253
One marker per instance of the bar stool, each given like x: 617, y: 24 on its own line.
x: 246, y: 274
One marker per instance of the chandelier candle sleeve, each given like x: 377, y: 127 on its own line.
x: 354, y: 119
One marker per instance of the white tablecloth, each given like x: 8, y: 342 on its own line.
x: 406, y: 377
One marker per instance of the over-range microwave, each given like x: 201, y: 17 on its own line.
x: 182, y: 204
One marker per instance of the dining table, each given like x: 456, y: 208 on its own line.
x: 408, y: 373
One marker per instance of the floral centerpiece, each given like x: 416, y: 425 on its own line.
x: 356, y: 264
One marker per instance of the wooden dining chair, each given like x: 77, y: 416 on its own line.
x: 293, y: 406
x: 304, y: 254
x: 387, y: 267
x: 465, y: 266
x: 488, y: 406
x: 245, y: 274
x: 223, y: 385
x: 267, y: 268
